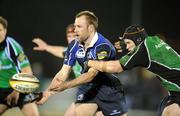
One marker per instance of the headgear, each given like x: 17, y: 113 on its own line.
x: 136, y: 33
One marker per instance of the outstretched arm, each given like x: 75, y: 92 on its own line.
x: 106, y: 66
x: 59, y: 78
x: 52, y: 49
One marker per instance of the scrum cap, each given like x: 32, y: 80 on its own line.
x: 136, y: 33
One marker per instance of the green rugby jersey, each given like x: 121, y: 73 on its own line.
x: 77, y: 69
x: 159, y: 58
x: 12, y: 60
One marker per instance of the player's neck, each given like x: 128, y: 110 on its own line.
x: 88, y: 40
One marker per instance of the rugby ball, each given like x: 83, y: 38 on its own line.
x: 24, y: 82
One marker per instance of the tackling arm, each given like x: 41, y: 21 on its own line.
x: 106, y: 66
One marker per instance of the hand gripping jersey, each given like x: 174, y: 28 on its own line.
x: 158, y: 57
x: 12, y: 60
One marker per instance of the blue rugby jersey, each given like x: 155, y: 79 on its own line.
x: 99, y: 49
x: 104, y: 85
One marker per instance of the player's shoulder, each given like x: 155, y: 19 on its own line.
x: 11, y: 39
x: 104, y: 43
x: 74, y: 42
x: 153, y: 42
x: 12, y: 42
x: 102, y: 40
x: 153, y: 39
x: 73, y: 45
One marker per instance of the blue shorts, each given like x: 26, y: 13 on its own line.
x: 109, y: 97
x: 23, y: 98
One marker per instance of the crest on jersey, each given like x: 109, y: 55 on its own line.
x: 101, y: 55
x: 21, y: 57
x: 80, y: 53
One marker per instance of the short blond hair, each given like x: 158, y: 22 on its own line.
x: 91, y: 17
x: 4, y: 22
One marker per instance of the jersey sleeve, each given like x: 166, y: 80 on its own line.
x: 17, y: 54
x: 70, y: 54
x: 103, y: 52
x: 136, y: 58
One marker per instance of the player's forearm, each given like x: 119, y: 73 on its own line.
x: 54, y: 83
x: 84, y: 78
x: 98, y: 65
x: 55, y: 50
x: 59, y: 79
x: 106, y: 66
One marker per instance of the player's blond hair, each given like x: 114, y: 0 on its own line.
x: 91, y: 17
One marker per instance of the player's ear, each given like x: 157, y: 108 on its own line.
x: 5, y: 31
x: 91, y: 28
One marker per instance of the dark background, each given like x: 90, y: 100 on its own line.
x: 49, y: 18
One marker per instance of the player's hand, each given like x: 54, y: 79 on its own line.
x: 57, y: 85
x: 44, y: 98
x: 59, y: 88
x: 12, y: 99
x: 118, y: 46
x: 41, y: 45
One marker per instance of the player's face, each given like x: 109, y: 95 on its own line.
x: 82, y: 28
x: 118, y: 46
x: 2, y: 33
x: 71, y: 36
x: 130, y: 45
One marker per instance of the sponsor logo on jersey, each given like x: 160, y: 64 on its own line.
x: 21, y: 57
x: 160, y: 44
x: 101, y: 55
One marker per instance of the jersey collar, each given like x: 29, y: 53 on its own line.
x: 93, y: 41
